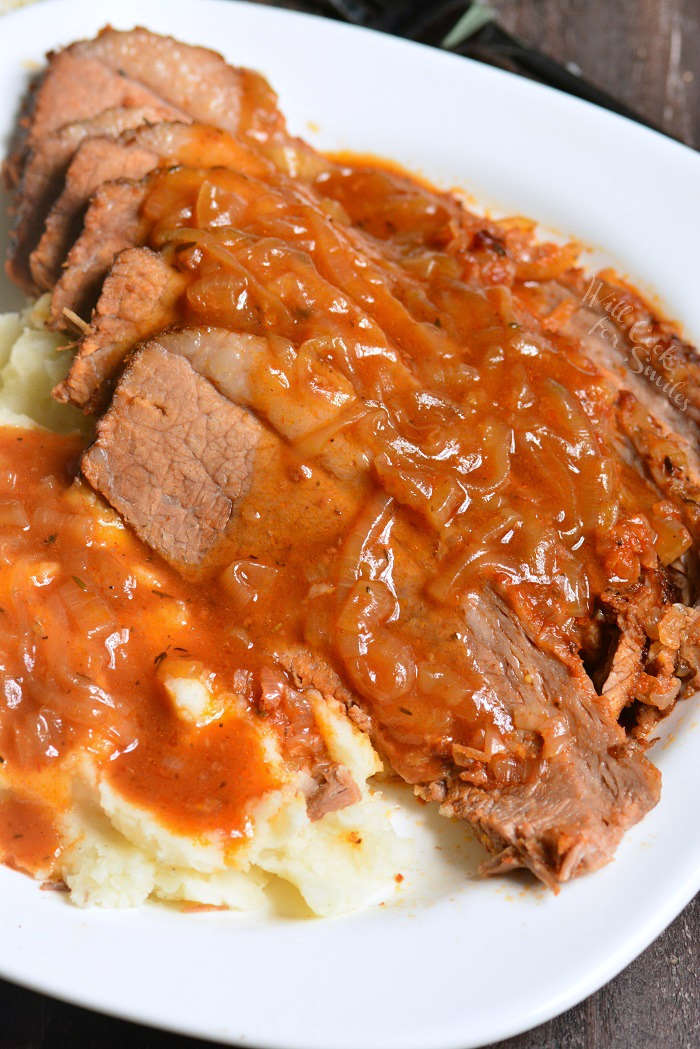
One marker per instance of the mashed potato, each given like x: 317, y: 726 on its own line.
x: 118, y: 854
x: 32, y: 361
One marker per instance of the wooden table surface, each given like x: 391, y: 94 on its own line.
x: 646, y: 52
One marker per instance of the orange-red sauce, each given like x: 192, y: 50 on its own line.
x: 416, y: 361
x: 202, y: 779
x: 29, y: 840
x: 436, y: 437
x: 85, y: 645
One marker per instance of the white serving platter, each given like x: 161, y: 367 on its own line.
x: 454, y: 962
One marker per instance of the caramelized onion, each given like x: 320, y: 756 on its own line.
x: 465, y: 755
x: 13, y: 514
x: 216, y: 206
x: 552, y: 729
x: 249, y: 582
x: 89, y: 612
x: 672, y: 539
x: 365, y: 533
x: 313, y: 443
x: 547, y: 261
x: 380, y: 663
x: 451, y: 575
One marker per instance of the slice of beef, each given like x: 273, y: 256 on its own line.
x: 681, y: 632
x: 627, y: 666
x: 235, y: 361
x: 138, y: 299
x: 651, y: 378
x: 229, y: 360
x: 42, y: 179
x: 653, y: 409
x: 653, y: 349
x: 668, y: 389
x: 97, y: 161
x: 173, y: 456
x: 131, y: 156
x: 195, y: 79
x: 569, y: 818
x: 137, y: 67
x: 226, y: 358
x: 74, y: 87
x: 322, y: 503
x: 671, y: 460
x: 124, y: 316
x: 112, y: 223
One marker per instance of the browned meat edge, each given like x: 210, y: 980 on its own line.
x: 44, y: 172
x: 129, y: 68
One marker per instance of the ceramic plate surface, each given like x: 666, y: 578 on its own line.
x: 456, y: 962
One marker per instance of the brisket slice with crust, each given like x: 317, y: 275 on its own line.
x: 661, y: 433
x: 138, y: 299
x: 112, y: 223
x: 652, y: 350
x: 130, y: 156
x: 669, y: 458
x: 570, y: 819
x: 607, y: 343
x: 324, y: 507
x: 172, y: 455
x: 567, y: 822
x: 73, y: 88
x: 44, y: 172
x: 98, y: 160
x: 136, y: 68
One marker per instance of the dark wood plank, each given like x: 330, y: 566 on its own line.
x: 645, y: 52
x: 653, y: 1004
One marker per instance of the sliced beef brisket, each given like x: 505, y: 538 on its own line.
x: 669, y: 457
x: 112, y: 224
x: 136, y: 68
x: 654, y: 352
x: 75, y: 87
x: 593, y: 786
x: 101, y: 160
x: 173, y: 456
x: 98, y: 161
x: 137, y: 300
x: 45, y: 170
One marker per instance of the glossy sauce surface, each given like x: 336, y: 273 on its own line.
x: 435, y: 435
x: 417, y: 360
x: 93, y: 624
x: 29, y: 840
